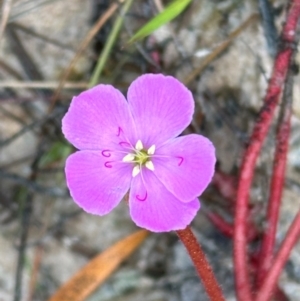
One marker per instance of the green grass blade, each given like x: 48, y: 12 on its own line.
x: 109, y: 45
x: 171, y: 12
x: 58, y: 151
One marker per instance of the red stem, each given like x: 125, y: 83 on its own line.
x: 223, y: 226
x: 201, y: 264
x: 267, y: 289
x: 279, y: 295
x: 227, y: 229
x: 277, y: 182
x: 225, y: 184
x: 281, y: 65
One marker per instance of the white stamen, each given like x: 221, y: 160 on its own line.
x: 149, y: 165
x: 139, y: 145
x: 128, y: 158
x: 136, y: 170
x: 151, y: 150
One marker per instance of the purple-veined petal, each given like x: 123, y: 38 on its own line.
x: 162, y: 107
x: 185, y: 165
x: 154, y: 208
x: 96, y: 183
x: 99, y: 118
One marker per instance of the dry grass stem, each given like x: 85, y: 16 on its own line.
x: 98, y: 25
x: 219, y: 49
x: 42, y: 85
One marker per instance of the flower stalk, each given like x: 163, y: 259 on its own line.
x: 270, y: 281
x: 277, y: 181
x: 281, y: 65
x: 201, y: 264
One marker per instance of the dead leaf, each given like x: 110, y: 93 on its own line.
x: 86, y: 280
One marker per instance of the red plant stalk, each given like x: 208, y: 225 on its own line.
x: 277, y: 182
x: 278, y: 295
x: 282, y: 62
x: 225, y: 184
x: 223, y: 226
x: 201, y: 264
x: 227, y: 229
x: 270, y: 282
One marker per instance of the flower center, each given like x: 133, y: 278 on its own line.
x: 140, y: 157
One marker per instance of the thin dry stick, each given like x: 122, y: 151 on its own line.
x: 261, y: 128
x: 159, y: 5
x: 6, y: 7
x: 42, y: 85
x: 10, y: 70
x: 38, y: 254
x: 99, y: 24
x: 26, y: 212
x: 265, y: 293
x: 219, y: 49
x: 42, y: 37
x: 110, y: 41
x: 201, y: 264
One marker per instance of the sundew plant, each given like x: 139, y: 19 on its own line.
x: 132, y: 149
x: 155, y: 139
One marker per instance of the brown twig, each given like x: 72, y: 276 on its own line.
x: 94, y: 30
x: 219, y: 49
x: 42, y: 37
x: 26, y: 212
x: 24, y: 57
x: 6, y: 7
x: 38, y: 254
x: 10, y: 70
x: 41, y: 85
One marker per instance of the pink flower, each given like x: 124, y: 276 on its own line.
x: 133, y: 146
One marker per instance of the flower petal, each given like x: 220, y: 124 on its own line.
x: 154, y: 208
x: 95, y: 188
x: 186, y: 165
x: 162, y: 107
x: 96, y: 119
